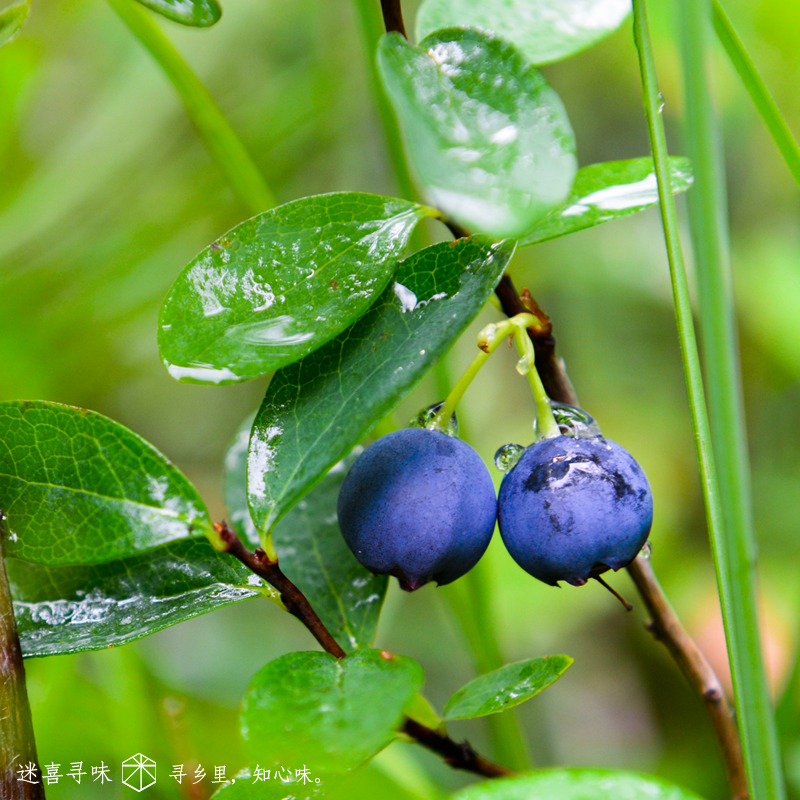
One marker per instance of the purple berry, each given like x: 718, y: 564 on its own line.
x: 572, y: 508
x: 419, y: 505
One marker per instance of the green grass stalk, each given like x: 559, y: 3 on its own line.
x: 210, y: 123
x: 710, y: 239
x: 732, y: 550
x: 759, y: 93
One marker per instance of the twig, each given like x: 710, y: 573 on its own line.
x: 666, y: 627
x: 294, y: 600
x: 393, y: 17
x: 17, y: 743
x: 457, y: 755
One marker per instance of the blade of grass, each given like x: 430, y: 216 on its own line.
x: 370, y: 22
x: 710, y: 239
x: 733, y: 554
x: 210, y: 123
x: 757, y: 89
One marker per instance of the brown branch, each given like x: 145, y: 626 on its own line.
x: 17, y: 742
x: 550, y: 368
x: 294, y: 600
x: 393, y: 17
x: 457, y: 755
x: 667, y: 628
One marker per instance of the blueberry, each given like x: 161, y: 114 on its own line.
x: 572, y: 508
x: 419, y: 505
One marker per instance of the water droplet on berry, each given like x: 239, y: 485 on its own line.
x: 646, y: 550
x: 427, y: 419
x: 575, y: 422
x: 505, y: 459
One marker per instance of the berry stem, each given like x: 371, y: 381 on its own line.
x: 454, y: 398
x: 546, y: 426
x: 489, y: 340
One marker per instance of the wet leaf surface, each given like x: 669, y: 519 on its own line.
x: 607, y: 191
x: 79, y: 488
x: 544, y: 30
x: 487, y: 137
x: 195, y: 13
x: 333, y: 715
x: 277, y: 286
x: 76, y: 608
x: 505, y: 687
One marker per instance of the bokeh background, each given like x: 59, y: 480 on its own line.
x: 106, y: 193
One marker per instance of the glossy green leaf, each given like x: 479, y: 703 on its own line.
x: 310, y: 708
x: 12, y: 18
x: 277, y: 286
x: 544, y: 30
x: 505, y: 687
x: 607, y: 191
x: 488, y: 138
x: 312, y: 552
x: 576, y: 784
x: 75, y: 608
x: 316, y: 410
x: 196, y: 13
x: 79, y: 488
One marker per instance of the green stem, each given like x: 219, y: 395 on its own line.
x: 370, y: 22
x: 489, y: 340
x: 765, y: 779
x: 546, y: 425
x: 454, y: 398
x: 210, y: 123
x: 709, y: 229
x: 757, y: 89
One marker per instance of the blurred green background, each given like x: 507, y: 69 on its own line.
x: 106, y: 193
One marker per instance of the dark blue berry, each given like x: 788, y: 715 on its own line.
x: 572, y: 508
x: 419, y: 505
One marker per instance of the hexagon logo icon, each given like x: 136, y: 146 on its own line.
x: 138, y: 772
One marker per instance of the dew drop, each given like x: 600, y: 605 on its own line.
x: 646, y: 550
x: 524, y: 365
x: 661, y: 103
x: 427, y: 419
x: 505, y: 459
x: 575, y: 422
